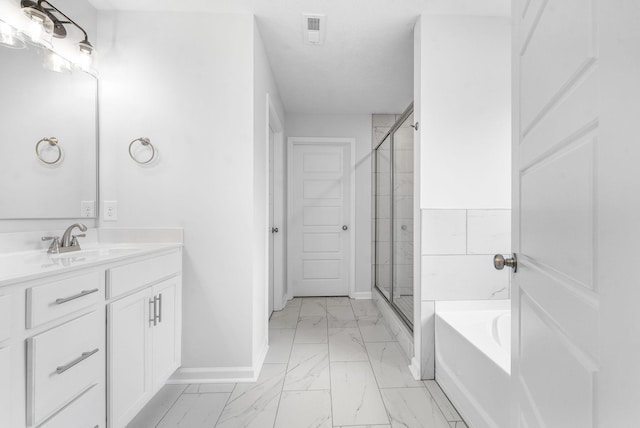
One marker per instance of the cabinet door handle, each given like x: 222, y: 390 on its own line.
x: 76, y: 296
x: 152, y: 318
x: 84, y: 356
x: 159, y: 307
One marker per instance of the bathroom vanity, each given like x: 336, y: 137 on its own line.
x: 87, y: 338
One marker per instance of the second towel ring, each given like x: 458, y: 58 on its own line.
x: 145, y: 142
x: 53, y: 141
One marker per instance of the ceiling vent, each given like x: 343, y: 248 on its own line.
x: 314, y: 28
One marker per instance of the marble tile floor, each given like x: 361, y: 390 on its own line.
x: 332, y: 363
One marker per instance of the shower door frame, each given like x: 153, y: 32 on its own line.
x: 403, y: 117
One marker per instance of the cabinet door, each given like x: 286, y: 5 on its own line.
x: 167, y: 331
x: 5, y: 386
x: 129, y: 357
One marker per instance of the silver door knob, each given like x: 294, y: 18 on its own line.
x: 499, y: 262
x: 274, y: 230
x: 345, y: 227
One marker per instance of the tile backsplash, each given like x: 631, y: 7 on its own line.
x: 457, y: 254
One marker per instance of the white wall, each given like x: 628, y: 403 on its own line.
x: 463, y: 99
x: 466, y: 112
x: 264, y: 83
x: 180, y: 82
x: 358, y: 127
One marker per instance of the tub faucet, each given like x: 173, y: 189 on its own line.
x: 69, y: 241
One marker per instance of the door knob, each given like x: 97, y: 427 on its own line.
x: 499, y: 262
x: 274, y: 230
x: 345, y: 227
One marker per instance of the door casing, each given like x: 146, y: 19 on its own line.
x: 274, y: 123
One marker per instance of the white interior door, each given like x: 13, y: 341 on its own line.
x: 274, y: 227
x: 577, y: 104
x: 319, y: 218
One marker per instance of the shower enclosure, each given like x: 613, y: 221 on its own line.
x: 393, y: 216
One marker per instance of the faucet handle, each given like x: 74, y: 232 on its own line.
x: 74, y: 240
x: 54, y: 248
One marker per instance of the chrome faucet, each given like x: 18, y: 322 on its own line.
x: 69, y: 241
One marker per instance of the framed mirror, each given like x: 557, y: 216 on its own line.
x: 48, y: 138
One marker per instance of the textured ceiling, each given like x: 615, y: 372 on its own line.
x: 366, y: 62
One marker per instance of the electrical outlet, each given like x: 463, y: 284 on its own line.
x: 87, y: 209
x: 110, y: 210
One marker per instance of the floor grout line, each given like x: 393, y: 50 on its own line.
x: 225, y: 405
x: 286, y: 369
x: 173, y: 404
x: 329, y: 364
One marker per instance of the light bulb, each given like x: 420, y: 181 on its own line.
x: 40, y: 28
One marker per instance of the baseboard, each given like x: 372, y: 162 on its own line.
x: 361, y: 295
x: 213, y: 375
x: 259, y: 362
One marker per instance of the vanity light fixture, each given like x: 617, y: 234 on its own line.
x: 9, y: 37
x: 52, y: 20
x: 40, y: 28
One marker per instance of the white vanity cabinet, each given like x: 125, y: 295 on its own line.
x: 88, y: 343
x: 144, y: 319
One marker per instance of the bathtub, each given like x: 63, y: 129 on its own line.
x: 473, y: 363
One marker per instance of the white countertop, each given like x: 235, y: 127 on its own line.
x: 29, y: 264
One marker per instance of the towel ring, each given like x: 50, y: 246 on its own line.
x: 145, y: 142
x: 53, y: 141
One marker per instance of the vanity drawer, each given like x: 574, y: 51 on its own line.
x: 5, y: 317
x: 62, y: 363
x: 123, y: 279
x: 57, y: 299
x: 87, y: 411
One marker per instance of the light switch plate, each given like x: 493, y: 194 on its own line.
x: 110, y: 210
x: 87, y: 209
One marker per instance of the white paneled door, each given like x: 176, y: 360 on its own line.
x: 320, y: 232
x: 576, y: 79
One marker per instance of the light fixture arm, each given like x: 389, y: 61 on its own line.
x: 69, y: 20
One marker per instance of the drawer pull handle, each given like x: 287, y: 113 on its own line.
x: 78, y: 360
x: 159, y: 307
x: 76, y: 296
x: 153, y: 318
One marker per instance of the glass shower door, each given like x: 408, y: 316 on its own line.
x: 383, y: 220
x: 403, y: 218
x: 394, y: 217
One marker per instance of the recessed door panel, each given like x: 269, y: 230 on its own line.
x: 321, y: 243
